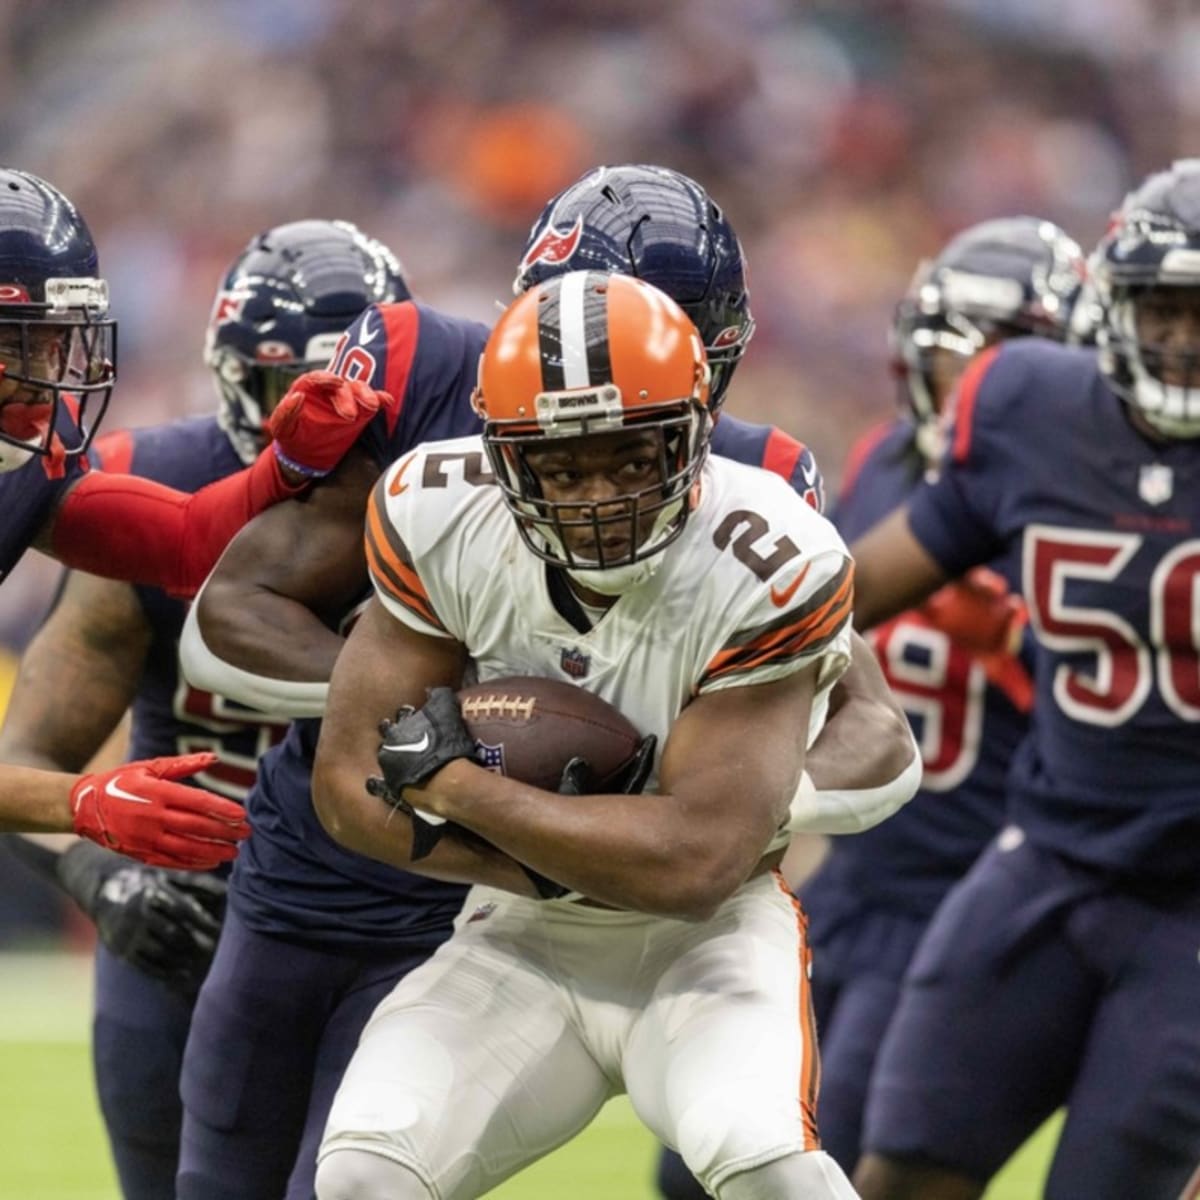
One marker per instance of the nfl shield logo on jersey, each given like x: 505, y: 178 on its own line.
x: 491, y: 758
x: 574, y: 663
x: 1156, y: 483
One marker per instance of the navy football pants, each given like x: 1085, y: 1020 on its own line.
x: 139, y: 1029
x: 274, y: 1027
x: 1042, y: 983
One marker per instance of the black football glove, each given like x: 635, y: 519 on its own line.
x: 578, y: 778
x: 163, y: 922
x: 416, y: 745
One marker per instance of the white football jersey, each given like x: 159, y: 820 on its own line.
x: 757, y: 586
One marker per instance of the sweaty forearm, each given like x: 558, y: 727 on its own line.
x: 368, y: 826
x: 279, y: 666
x: 33, y: 801
x: 640, y: 852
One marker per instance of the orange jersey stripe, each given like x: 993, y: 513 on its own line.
x: 810, y: 1051
x: 804, y: 630
x: 390, y: 563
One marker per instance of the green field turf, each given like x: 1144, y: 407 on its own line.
x: 54, y: 1146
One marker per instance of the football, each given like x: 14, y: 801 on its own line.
x: 529, y: 729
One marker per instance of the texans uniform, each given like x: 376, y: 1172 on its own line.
x: 875, y: 893
x: 140, y: 1024
x: 30, y: 494
x: 1063, y: 969
x: 706, y: 1025
x: 316, y: 935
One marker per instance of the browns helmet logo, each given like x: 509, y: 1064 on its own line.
x: 553, y: 246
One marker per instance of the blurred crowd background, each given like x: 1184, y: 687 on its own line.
x: 846, y: 139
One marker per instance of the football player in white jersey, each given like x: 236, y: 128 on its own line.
x: 711, y: 605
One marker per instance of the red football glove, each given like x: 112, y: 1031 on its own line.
x: 319, y: 419
x: 136, y: 809
x: 979, y: 613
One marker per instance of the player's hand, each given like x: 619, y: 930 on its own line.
x: 421, y: 741
x: 416, y: 745
x: 578, y: 778
x: 319, y: 419
x: 163, y: 922
x: 138, y: 810
x: 979, y: 613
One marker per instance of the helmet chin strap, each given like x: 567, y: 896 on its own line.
x: 615, y: 581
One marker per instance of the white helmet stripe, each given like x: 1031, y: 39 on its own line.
x: 574, y: 330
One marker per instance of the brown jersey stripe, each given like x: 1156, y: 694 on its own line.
x: 391, y: 564
x: 810, y: 604
x: 812, y: 632
x: 806, y: 649
x: 395, y: 589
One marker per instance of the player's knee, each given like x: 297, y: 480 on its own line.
x: 360, y: 1175
x: 811, y: 1174
x: 719, y: 1131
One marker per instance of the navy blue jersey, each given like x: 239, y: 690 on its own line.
x: 966, y: 725
x: 29, y: 494
x: 291, y: 878
x: 1047, y: 472
x: 169, y: 715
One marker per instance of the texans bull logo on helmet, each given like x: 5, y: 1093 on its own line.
x: 553, y: 246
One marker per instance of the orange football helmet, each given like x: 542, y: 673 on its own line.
x: 580, y: 356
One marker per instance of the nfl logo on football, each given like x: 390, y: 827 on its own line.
x: 1156, y: 483
x: 574, y: 663
x: 491, y: 758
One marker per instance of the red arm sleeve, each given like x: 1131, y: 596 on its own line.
x: 123, y: 527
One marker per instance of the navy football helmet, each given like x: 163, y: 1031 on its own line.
x: 658, y: 225
x: 57, y: 342
x: 1150, y: 253
x: 1004, y: 278
x: 280, y: 310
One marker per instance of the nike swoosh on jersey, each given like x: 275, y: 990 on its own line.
x: 111, y: 788
x: 779, y: 597
x: 411, y: 748
x: 396, y: 488
x: 366, y: 334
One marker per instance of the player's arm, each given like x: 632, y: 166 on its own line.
x: 893, y: 571
x: 729, y: 770
x: 384, y: 665
x: 92, y: 648
x: 77, y: 677
x: 124, y: 527
x: 864, y: 765
x: 261, y: 630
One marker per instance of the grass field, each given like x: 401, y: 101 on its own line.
x: 54, y: 1147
